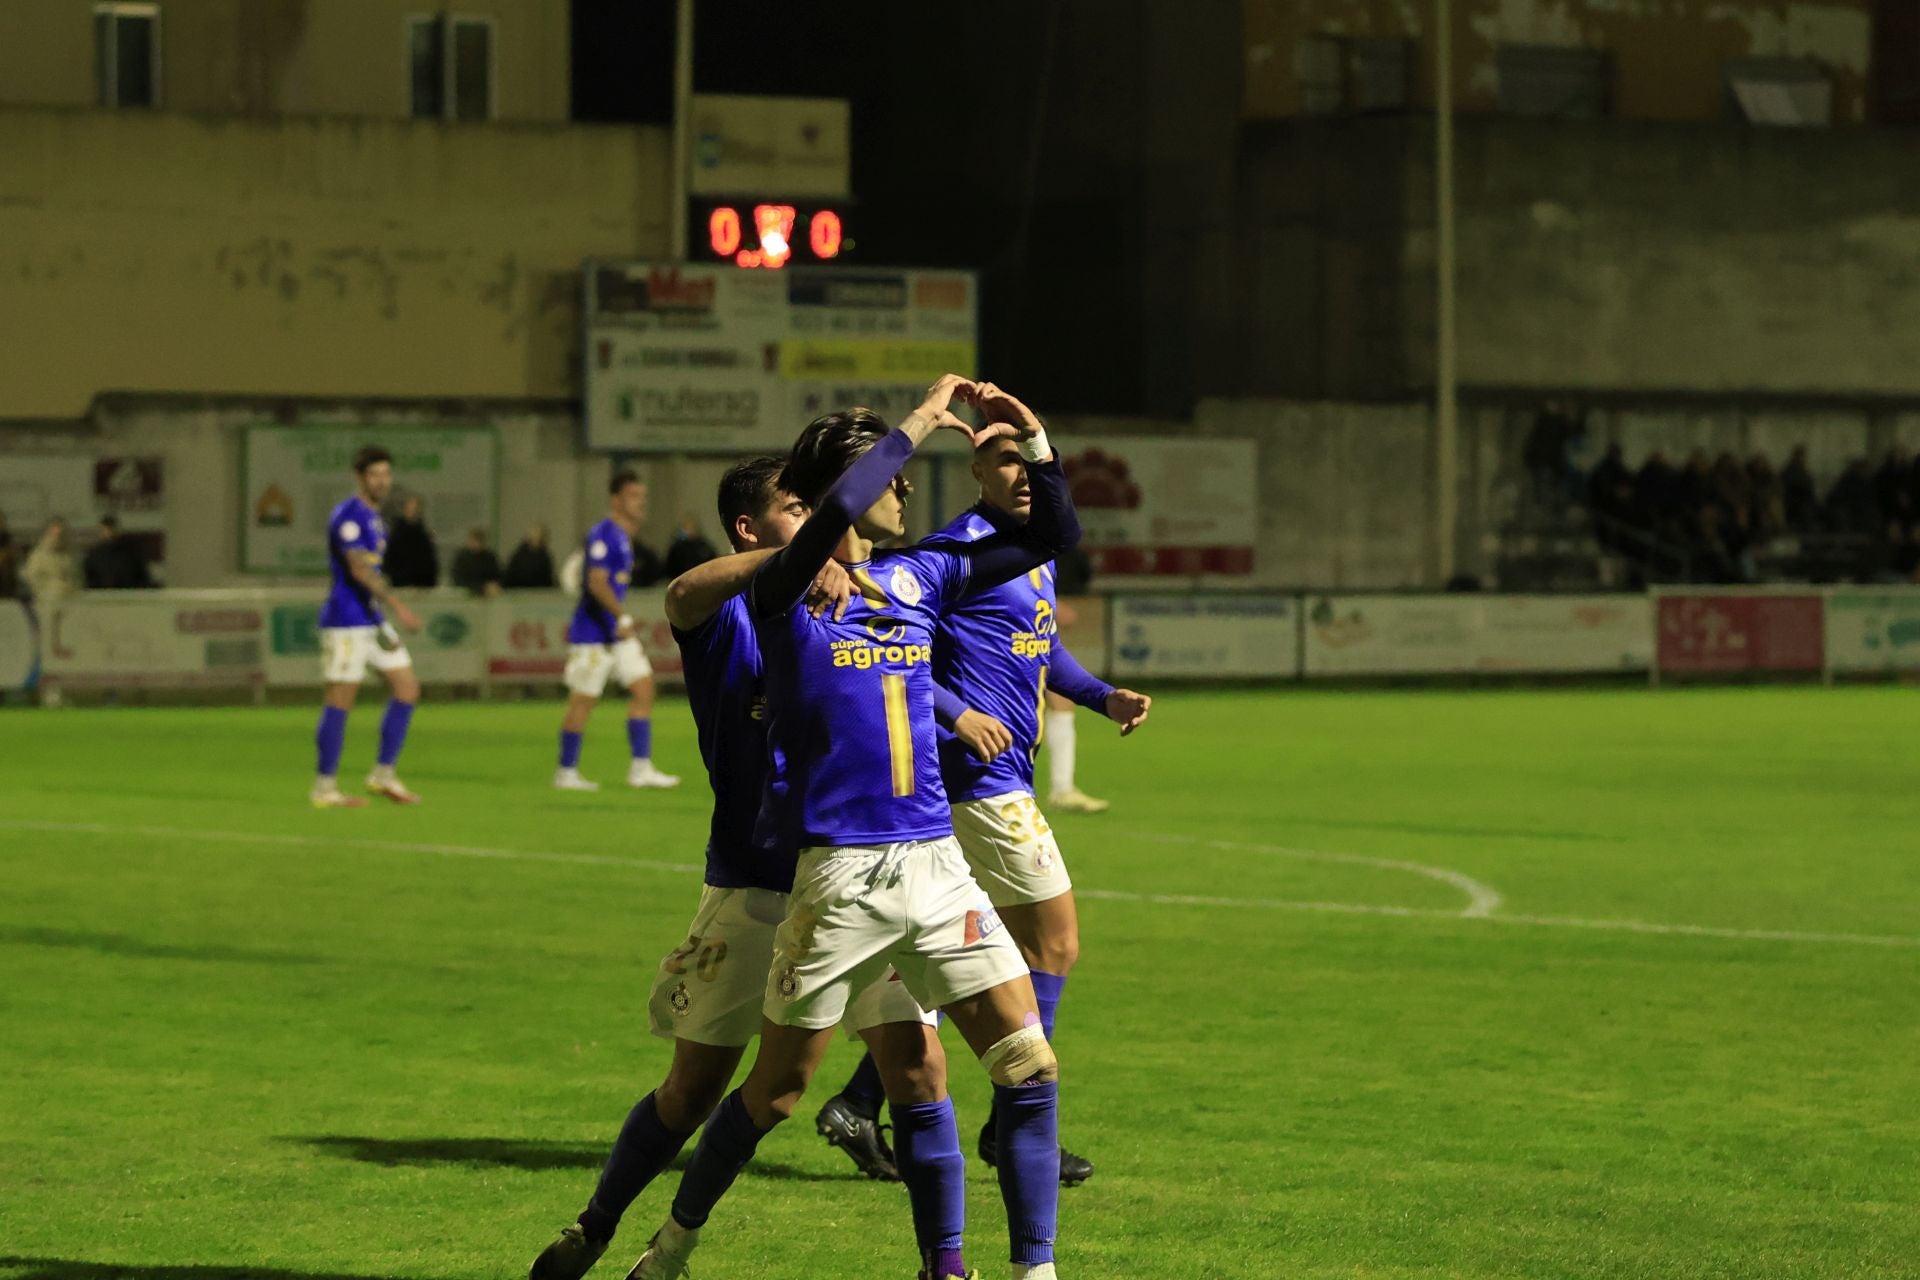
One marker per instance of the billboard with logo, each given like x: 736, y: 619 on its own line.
x: 1204, y: 636
x: 1165, y: 506
x: 1465, y: 634
x: 717, y: 359
x: 449, y: 648
x: 1873, y: 631
x: 137, y: 639
x: 527, y: 634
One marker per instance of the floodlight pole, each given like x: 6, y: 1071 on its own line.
x: 1446, y: 433
x: 682, y: 123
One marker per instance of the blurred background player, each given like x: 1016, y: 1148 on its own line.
x: 1062, y: 793
x: 996, y: 656
x: 602, y: 642
x: 354, y: 635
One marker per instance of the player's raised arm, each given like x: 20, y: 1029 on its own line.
x: 1066, y: 677
x: 697, y: 594
x: 1052, y: 527
x: 783, y: 580
x: 366, y: 571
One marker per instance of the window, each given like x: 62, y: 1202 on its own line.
x: 1779, y: 91
x: 1552, y: 80
x: 450, y: 67
x: 1349, y: 73
x: 126, y: 54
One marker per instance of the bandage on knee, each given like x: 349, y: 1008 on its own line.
x: 1024, y: 1057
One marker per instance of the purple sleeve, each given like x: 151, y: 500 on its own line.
x: 783, y: 580
x: 1053, y: 527
x: 948, y: 706
x: 1066, y: 677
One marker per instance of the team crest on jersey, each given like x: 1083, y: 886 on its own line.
x: 905, y: 587
x: 598, y: 550
x: 349, y: 532
x: 680, y: 999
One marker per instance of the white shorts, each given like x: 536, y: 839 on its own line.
x: 1011, y: 849
x: 589, y: 665
x: 858, y: 909
x: 710, y: 989
x: 347, y: 652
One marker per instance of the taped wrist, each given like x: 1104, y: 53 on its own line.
x: 1036, y: 449
x: 1024, y: 1057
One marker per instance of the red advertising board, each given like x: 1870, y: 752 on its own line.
x: 1708, y: 633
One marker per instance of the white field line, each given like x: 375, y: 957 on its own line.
x: 1486, y: 916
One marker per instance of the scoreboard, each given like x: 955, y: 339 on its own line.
x: 769, y: 234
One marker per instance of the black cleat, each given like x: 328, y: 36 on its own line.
x: 569, y: 1257
x: 860, y: 1136
x: 1074, y: 1169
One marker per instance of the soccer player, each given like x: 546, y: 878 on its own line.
x: 355, y: 635
x: 997, y: 657
x: 707, y: 995
x: 602, y: 643
x: 1062, y: 753
x: 880, y: 879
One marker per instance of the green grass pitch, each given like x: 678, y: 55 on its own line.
x: 1375, y: 984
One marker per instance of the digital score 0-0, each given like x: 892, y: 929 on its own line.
x: 769, y: 235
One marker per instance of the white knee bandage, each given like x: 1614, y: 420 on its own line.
x: 1023, y: 1057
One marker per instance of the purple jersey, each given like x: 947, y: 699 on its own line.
x: 609, y: 547
x: 852, y: 705
x: 353, y: 526
x: 994, y: 650
x: 726, y: 689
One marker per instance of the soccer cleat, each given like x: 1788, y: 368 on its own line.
x: 332, y: 797
x: 666, y: 1255
x: 570, y: 780
x: 859, y: 1136
x: 641, y: 773
x: 1074, y: 1169
x: 1076, y: 801
x: 389, y: 785
x: 569, y: 1257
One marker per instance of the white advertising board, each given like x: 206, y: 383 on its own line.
x: 753, y: 145
x: 1869, y: 630
x: 138, y: 639
x: 1153, y: 505
x: 1225, y: 636
x: 1463, y: 634
x: 717, y: 359
x: 295, y: 476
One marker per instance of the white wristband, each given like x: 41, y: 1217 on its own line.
x: 1036, y: 449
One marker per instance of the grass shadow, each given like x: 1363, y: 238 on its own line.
x: 119, y: 944
x: 534, y: 1154
x: 72, y: 1269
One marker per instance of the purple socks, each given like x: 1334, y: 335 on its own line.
x: 926, y: 1147
x: 1047, y: 989
x: 725, y: 1146
x: 330, y: 738
x: 1029, y: 1139
x: 640, y: 738
x: 569, y: 749
x: 393, y: 730
x: 645, y: 1147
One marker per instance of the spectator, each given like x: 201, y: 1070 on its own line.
x: 49, y: 571
x: 1891, y: 487
x: 1556, y: 430
x: 1798, y: 494
x: 689, y: 548
x: 411, y: 560
x: 1852, y: 506
x: 1656, y: 490
x: 114, y: 563
x: 9, y: 561
x: 1610, y: 496
x: 530, y: 567
x: 476, y: 568
x: 1767, y: 502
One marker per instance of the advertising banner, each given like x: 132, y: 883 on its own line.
x: 1723, y: 633
x: 1870, y: 630
x: 139, y: 638
x: 450, y: 647
x: 295, y: 476
x: 1164, y: 506
x: 1223, y: 636
x: 759, y: 145
x: 527, y: 635
x: 716, y: 359
x: 1466, y: 634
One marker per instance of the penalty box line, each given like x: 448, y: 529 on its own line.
x: 1488, y: 916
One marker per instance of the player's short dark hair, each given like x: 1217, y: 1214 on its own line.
x: 368, y: 455
x: 748, y: 489
x: 830, y: 444
x: 621, y: 479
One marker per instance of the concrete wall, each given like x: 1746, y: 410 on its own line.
x: 311, y: 257
x: 1605, y: 257
x: 1667, y: 55
x: 300, y: 57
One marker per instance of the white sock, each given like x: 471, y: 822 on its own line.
x: 1037, y: 1271
x: 1060, y: 749
x: 323, y: 783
